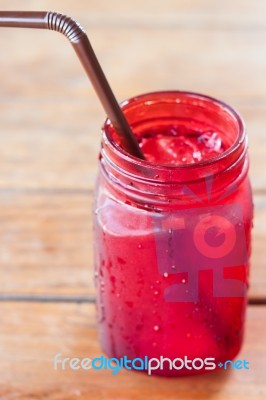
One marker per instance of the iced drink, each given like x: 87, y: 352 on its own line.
x: 172, y: 233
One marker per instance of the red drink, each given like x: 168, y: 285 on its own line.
x: 172, y: 233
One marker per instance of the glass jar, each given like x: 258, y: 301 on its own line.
x: 172, y: 242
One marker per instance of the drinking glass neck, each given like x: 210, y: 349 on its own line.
x: 159, y: 185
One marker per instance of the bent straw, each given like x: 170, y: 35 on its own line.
x: 81, y: 44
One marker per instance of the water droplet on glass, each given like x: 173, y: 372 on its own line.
x: 183, y: 280
x: 173, y: 267
x: 156, y: 292
x: 139, y: 246
x: 170, y: 230
x: 156, y: 328
x: 165, y: 275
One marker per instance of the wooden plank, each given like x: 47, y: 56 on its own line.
x: 57, y: 146
x: 46, y: 244
x: 257, y: 271
x: 202, y: 13
x: 228, y: 64
x: 196, y: 55
x: 50, y: 119
x: 255, y: 120
x: 32, y: 334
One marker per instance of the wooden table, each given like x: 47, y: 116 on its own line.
x: 50, y: 134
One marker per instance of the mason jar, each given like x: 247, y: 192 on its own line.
x: 172, y: 241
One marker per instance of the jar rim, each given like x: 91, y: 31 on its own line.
x: 121, y: 153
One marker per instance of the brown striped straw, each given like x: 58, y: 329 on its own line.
x: 79, y: 40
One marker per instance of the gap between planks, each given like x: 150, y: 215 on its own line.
x: 79, y: 299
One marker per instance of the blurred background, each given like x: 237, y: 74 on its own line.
x: 50, y: 121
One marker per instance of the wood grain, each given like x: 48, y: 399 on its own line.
x: 181, y: 13
x: 46, y: 244
x: 51, y: 119
x: 50, y: 123
x: 32, y: 334
x: 57, y: 145
x: 139, y: 60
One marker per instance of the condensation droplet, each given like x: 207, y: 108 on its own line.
x: 140, y: 246
x: 156, y: 292
x: 165, y: 275
x: 183, y: 280
x: 156, y: 328
x: 173, y: 267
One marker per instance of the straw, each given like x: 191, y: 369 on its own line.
x: 79, y: 40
